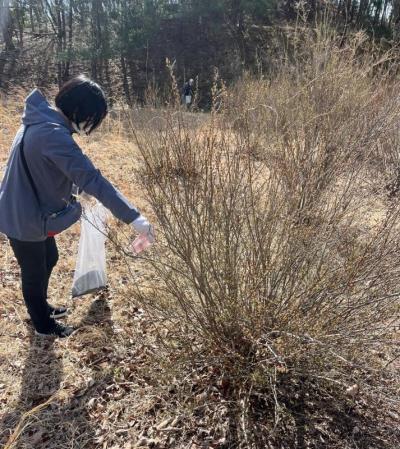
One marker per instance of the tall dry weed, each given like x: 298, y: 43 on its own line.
x: 271, y: 263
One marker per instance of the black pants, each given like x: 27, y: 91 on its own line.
x: 36, y: 260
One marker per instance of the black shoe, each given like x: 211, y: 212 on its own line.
x: 57, y: 312
x: 57, y: 330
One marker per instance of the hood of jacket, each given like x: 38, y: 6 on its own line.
x: 38, y: 110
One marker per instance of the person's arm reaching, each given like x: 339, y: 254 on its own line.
x: 66, y: 155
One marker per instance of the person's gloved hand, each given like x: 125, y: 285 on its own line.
x: 85, y: 196
x: 142, y: 226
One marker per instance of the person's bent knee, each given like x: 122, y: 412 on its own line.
x: 51, y: 253
x: 53, y: 259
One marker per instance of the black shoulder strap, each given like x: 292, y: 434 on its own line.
x: 26, y: 168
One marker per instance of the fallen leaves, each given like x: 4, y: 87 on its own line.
x: 353, y: 391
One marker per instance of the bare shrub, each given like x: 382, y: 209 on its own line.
x: 270, y: 264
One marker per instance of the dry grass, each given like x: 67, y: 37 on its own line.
x: 271, y: 297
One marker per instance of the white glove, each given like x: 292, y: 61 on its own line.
x: 85, y: 196
x: 142, y: 226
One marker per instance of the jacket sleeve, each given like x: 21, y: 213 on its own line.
x: 65, y: 154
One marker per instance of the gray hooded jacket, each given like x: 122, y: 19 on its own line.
x: 55, y: 162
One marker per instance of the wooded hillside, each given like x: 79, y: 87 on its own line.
x: 123, y: 44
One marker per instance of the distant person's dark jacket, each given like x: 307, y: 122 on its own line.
x: 188, y: 90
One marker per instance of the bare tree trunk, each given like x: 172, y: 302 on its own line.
x: 236, y: 23
x: 20, y: 22
x: 31, y: 18
x: 378, y: 11
x: 59, y: 41
x: 9, y: 47
x: 396, y: 20
x: 70, y: 36
x: 125, y: 83
x: 383, y: 17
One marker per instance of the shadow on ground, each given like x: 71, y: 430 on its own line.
x: 311, y: 418
x: 42, y: 414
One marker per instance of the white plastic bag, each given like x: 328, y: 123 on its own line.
x: 90, y: 272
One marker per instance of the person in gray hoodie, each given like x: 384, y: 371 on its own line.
x: 44, y: 166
